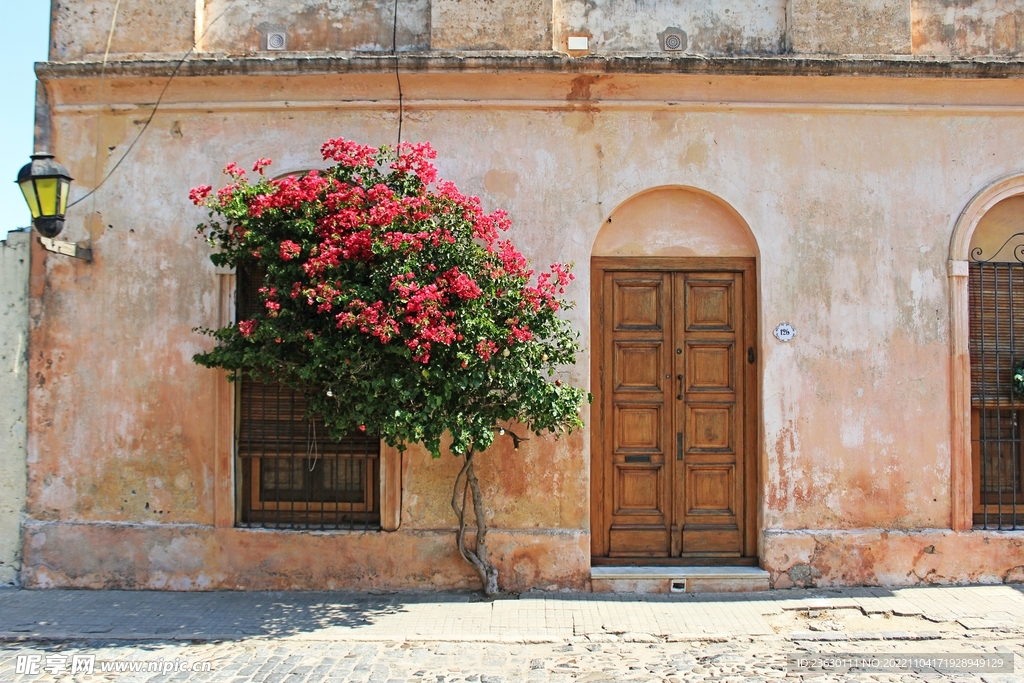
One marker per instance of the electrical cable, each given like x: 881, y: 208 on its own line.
x: 397, y: 77
x: 156, y: 106
x: 103, y: 73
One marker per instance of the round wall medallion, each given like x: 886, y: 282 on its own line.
x: 785, y: 332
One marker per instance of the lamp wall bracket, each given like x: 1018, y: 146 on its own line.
x: 66, y: 248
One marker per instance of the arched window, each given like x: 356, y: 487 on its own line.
x: 292, y: 474
x: 996, y: 344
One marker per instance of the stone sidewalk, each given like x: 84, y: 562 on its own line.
x: 808, y: 615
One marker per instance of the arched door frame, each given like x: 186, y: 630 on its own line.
x: 961, y: 491
x: 750, y: 263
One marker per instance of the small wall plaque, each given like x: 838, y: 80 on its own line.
x: 785, y: 332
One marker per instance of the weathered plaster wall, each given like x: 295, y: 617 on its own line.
x: 79, y: 29
x: 880, y: 557
x: 849, y: 27
x: 968, y: 27
x: 14, y: 258
x: 173, y: 557
x: 850, y: 187
x: 722, y: 27
x: 315, y: 25
x: 489, y: 25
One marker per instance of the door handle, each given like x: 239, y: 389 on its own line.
x: 679, y: 445
x: 680, y: 396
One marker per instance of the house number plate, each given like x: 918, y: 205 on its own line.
x: 785, y: 332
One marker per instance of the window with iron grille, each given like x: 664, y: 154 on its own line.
x: 996, y: 310
x: 292, y: 474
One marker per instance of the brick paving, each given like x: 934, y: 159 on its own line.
x: 444, y: 638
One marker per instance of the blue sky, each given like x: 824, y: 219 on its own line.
x: 28, y: 31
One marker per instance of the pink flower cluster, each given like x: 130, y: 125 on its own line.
x: 377, y: 226
x: 270, y: 300
x: 200, y: 194
x: 260, y: 165
x: 289, y: 250
x: 486, y: 348
x: 412, y: 158
x: 247, y: 327
x: 348, y: 153
x: 548, y: 284
x: 370, y: 319
x: 289, y: 193
x: 518, y: 332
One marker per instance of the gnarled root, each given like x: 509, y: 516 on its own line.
x: 465, y: 484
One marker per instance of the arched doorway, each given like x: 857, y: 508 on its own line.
x: 674, y: 434
x: 987, y: 337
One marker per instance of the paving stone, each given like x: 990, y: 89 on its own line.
x: 700, y: 639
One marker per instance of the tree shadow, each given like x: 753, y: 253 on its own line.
x: 222, y: 615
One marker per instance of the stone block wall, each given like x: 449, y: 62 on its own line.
x: 968, y: 28
x: 845, y: 27
x: 960, y: 28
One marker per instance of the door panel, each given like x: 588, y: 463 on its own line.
x: 710, y: 417
x: 639, y: 303
x: 674, y: 479
x: 710, y: 304
x: 711, y: 488
x: 639, y: 491
x: 710, y: 428
x: 638, y: 428
x: 638, y: 366
x: 710, y: 366
x: 638, y: 401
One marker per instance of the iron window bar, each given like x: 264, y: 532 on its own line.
x: 996, y: 311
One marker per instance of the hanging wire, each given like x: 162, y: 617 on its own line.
x: 152, y: 114
x: 398, y: 77
x: 103, y: 73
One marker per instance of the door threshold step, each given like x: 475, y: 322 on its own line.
x: 652, y: 579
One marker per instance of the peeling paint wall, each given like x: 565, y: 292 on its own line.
x: 857, y: 27
x: 489, y: 25
x: 845, y: 188
x: 79, y: 30
x: 881, y: 557
x: 723, y: 27
x: 315, y: 25
x: 851, y: 200
x: 14, y: 258
x: 968, y: 27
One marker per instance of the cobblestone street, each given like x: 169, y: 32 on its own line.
x: 293, y: 637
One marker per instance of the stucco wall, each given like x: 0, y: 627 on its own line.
x: 715, y: 27
x: 80, y: 29
x: 314, y: 25
x: 859, y: 27
x: 968, y: 27
x: 14, y: 263
x: 850, y: 186
x: 719, y: 27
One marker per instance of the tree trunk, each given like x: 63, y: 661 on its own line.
x: 465, y: 484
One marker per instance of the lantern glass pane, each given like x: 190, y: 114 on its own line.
x: 65, y: 188
x: 47, y: 189
x: 30, y: 197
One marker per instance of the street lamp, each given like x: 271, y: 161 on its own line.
x: 45, y: 184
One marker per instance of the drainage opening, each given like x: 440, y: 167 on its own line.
x: 678, y: 586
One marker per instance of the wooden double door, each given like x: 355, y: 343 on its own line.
x: 674, y: 472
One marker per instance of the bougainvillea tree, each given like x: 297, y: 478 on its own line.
x: 391, y: 301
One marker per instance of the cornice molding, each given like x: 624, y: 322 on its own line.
x: 546, y: 63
